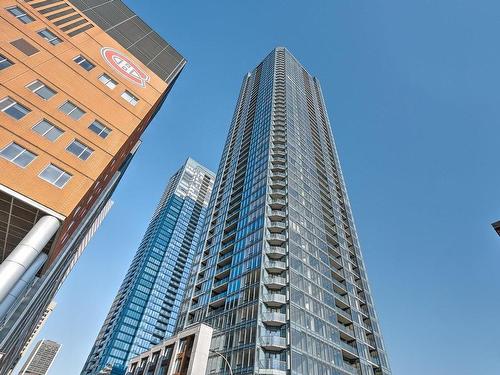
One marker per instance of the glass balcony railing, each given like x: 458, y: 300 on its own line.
x: 274, y: 298
x: 218, y: 296
x: 273, y: 341
x: 221, y: 282
x: 223, y: 269
x: 276, y: 237
x: 273, y: 364
x: 351, y: 368
x: 277, y: 202
x: 348, y: 347
x: 277, y: 213
x: 277, y: 280
x: 225, y: 256
x: 343, y: 313
x: 275, y: 250
x: 277, y: 225
x: 278, y: 192
x: 375, y: 359
x: 274, y: 318
x: 342, y: 298
x: 275, y: 265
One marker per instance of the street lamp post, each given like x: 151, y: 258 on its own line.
x: 225, y: 360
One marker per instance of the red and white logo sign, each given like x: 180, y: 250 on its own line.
x: 125, y: 66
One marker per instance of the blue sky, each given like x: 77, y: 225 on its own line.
x: 412, y: 89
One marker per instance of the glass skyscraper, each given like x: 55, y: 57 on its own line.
x: 279, y: 274
x: 146, y: 307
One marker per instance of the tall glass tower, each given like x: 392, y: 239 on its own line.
x: 280, y: 275
x: 146, y: 307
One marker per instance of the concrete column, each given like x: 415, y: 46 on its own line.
x: 22, y: 284
x: 21, y: 258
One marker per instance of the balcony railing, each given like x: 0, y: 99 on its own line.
x: 273, y: 342
x: 221, y: 282
x: 273, y: 364
x: 352, y: 369
x: 348, y: 347
x: 274, y: 299
x: 218, y: 296
x: 276, y: 239
x: 274, y: 318
x: 275, y: 251
x: 276, y: 281
x: 275, y: 265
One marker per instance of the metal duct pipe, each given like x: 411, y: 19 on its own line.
x: 21, y: 258
x: 22, y: 284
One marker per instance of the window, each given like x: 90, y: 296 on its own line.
x: 99, y: 129
x: 80, y: 150
x: 108, y: 81
x: 129, y: 97
x: 47, y: 130
x: 55, y: 175
x: 72, y: 110
x: 42, y: 90
x: 84, y: 62
x: 25, y: 47
x: 13, y: 108
x: 20, y: 14
x: 49, y: 36
x: 17, y: 155
x: 4, y: 62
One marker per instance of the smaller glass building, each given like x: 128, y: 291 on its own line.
x: 146, y: 307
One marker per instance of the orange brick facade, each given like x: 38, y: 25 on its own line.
x: 54, y: 65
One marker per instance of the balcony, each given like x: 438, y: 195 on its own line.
x: 274, y: 343
x: 275, y: 266
x: 278, y: 160
x: 352, y: 350
x: 274, y: 299
x: 218, y: 300
x: 276, y: 282
x: 277, y: 204
x: 224, y: 258
x: 277, y: 215
x: 344, y: 313
x: 278, y: 184
x: 277, y: 140
x: 279, y: 148
x: 374, y: 359
x: 276, y: 226
x: 275, y: 239
x: 346, y: 332
x: 220, y: 285
x: 278, y: 167
x: 351, y: 368
x: 367, y: 326
x: 223, y: 271
x: 278, y: 193
x: 278, y: 175
x: 344, y: 301
x: 274, y: 319
x: 195, y: 305
x: 275, y: 252
x: 272, y: 367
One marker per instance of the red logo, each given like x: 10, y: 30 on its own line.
x: 125, y: 66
